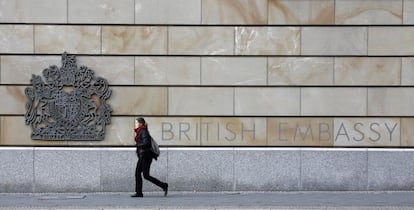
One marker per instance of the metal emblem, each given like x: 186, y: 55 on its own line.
x: 69, y: 105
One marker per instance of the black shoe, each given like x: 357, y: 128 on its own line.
x: 136, y: 195
x: 165, y: 190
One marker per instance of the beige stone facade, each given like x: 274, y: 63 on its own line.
x: 318, y: 73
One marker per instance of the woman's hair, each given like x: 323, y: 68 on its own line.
x: 141, y: 120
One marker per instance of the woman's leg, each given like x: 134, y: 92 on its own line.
x: 146, y: 165
x: 138, y: 178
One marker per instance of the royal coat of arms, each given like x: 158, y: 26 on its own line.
x: 69, y: 105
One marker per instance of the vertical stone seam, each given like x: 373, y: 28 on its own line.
x: 201, y: 71
x: 300, y: 170
x: 34, y: 170
x: 300, y: 102
x: 101, y: 39
x: 67, y: 11
x: 168, y: 160
x: 367, y: 28
x: 367, y: 179
x: 34, y: 39
x: 100, y: 170
x: 167, y: 40
x: 300, y: 40
x: 0, y: 82
x: 135, y: 15
x: 267, y: 71
x: 234, y: 169
x: 402, y: 12
x: 333, y: 71
x: 135, y: 72
x: 367, y: 101
x: 401, y: 69
x: 234, y: 101
x: 334, y: 20
x: 201, y: 12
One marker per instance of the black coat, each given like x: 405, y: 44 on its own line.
x: 144, y: 144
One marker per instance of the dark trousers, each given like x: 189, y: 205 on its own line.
x: 143, y: 166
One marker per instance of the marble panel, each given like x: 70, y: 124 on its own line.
x: 15, y: 132
x: 267, y: 41
x: 300, y: 131
x: 367, y: 132
x: 334, y: 101
x: 233, y: 71
x: 138, y: 100
x: 368, y: 12
x: 334, y: 41
x: 302, y: 12
x: 407, y: 72
x: 16, y: 39
x: 201, y: 40
x: 167, y: 70
x: 200, y: 101
x: 67, y: 170
x: 168, y: 12
x: 118, y: 70
x: 408, y: 12
x: 233, y: 131
x: 300, y: 71
x: 390, y: 101
x: 175, y: 131
x: 118, y: 170
x: 390, y: 169
x: 267, y: 101
x: 119, y: 133
x: 19, y: 69
x: 16, y: 172
x: 234, y: 12
x: 391, y: 41
x: 337, y: 169
x: 72, y: 39
x: 28, y: 11
x: 367, y: 71
x: 267, y: 170
x: 200, y: 169
x: 13, y: 100
x: 101, y: 11
x: 134, y: 40
x: 407, y: 132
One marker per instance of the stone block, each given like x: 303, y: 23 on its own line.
x: 368, y: 12
x: 200, y: 40
x: 134, y: 40
x: 407, y: 72
x: 300, y: 131
x: 390, y: 101
x: 175, y: 131
x: 367, y: 132
x: 267, y: 101
x: 16, y: 38
x: 167, y: 70
x: 27, y: 11
x: 301, y: 12
x: 13, y: 100
x: 407, y: 132
x: 267, y: 41
x: 67, y: 170
x: 200, y: 101
x: 70, y: 38
x: 408, y: 12
x: 390, y: 41
x: 16, y: 172
x: 118, y: 70
x: 138, y: 100
x: 168, y: 12
x: 334, y: 101
x: 334, y: 41
x: 118, y: 170
x: 101, y: 11
x: 367, y: 71
x: 233, y: 71
x: 267, y: 169
x: 19, y: 69
x: 390, y: 169
x: 14, y: 132
x: 200, y: 169
x: 237, y: 12
x: 231, y: 131
x: 334, y: 169
x: 300, y: 71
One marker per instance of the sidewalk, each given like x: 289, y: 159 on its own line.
x: 230, y: 200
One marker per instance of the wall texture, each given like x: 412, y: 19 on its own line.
x: 223, y: 73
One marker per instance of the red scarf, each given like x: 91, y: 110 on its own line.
x: 137, y: 131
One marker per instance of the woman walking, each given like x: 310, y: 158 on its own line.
x: 145, y: 156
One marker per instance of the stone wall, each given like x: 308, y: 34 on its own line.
x: 223, y: 74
